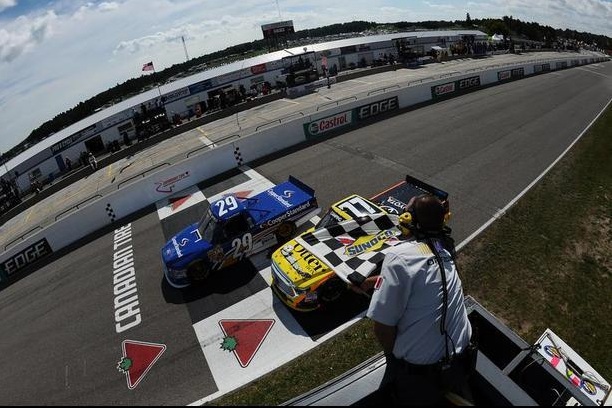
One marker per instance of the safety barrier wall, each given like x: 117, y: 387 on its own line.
x: 151, y: 186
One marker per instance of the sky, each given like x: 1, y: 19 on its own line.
x: 57, y: 53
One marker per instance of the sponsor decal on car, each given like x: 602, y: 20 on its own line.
x: 282, y: 198
x: 286, y: 215
x: 287, y: 252
x: 346, y: 240
x: 178, y: 245
x: 311, y: 260
x: 369, y: 243
x: 216, y: 254
x: 393, y: 206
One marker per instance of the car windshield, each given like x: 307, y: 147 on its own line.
x: 206, y: 226
x: 330, y: 218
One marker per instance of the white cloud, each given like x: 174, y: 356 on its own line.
x: 445, y: 7
x: 23, y: 34
x: 108, y: 6
x: 4, y: 4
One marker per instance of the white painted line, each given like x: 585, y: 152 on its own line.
x: 179, y: 201
x: 593, y: 72
x: 207, y: 141
x: 522, y: 193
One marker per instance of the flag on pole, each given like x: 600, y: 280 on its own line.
x: 148, y: 66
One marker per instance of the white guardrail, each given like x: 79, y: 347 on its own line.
x: 138, y: 193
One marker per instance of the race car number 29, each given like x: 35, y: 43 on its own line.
x: 242, y: 245
x: 230, y: 202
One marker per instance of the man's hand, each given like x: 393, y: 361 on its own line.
x: 366, y: 286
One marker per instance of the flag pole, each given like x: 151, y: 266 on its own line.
x: 158, y: 91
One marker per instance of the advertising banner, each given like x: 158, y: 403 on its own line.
x: 467, y: 83
x: 69, y: 141
x: 443, y: 89
x: 376, y: 108
x: 26, y: 257
x: 504, y: 75
x: 326, y: 124
x: 258, y: 69
x: 200, y: 87
x: 518, y: 72
x: 450, y: 87
x: 175, y: 95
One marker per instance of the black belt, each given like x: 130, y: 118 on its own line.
x: 418, y: 369
x: 423, y: 369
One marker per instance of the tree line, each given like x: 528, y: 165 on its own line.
x: 507, y: 26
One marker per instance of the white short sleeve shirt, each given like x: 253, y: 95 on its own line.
x: 408, y: 295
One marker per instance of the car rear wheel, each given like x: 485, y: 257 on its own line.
x: 286, y: 230
x: 331, y: 291
x: 198, y: 270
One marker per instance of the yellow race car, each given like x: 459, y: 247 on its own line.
x: 347, y: 245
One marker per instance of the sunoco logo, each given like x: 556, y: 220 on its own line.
x: 360, y: 246
x: 329, y: 123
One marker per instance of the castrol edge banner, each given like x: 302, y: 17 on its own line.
x: 328, y: 123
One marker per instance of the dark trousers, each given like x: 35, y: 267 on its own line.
x: 411, y: 384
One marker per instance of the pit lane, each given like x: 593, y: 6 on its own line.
x: 59, y: 340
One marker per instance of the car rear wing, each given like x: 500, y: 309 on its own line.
x: 395, y: 199
x: 427, y: 188
x: 302, y: 186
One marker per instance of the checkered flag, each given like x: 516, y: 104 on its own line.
x: 354, y: 248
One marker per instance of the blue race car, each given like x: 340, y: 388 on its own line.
x: 235, y: 227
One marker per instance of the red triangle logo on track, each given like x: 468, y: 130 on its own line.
x: 176, y: 202
x: 138, y: 358
x: 244, y: 337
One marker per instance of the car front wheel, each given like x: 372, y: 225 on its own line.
x: 331, y: 290
x: 198, y: 270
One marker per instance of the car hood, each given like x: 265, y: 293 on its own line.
x: 300, y: 265
x: 185, y: 246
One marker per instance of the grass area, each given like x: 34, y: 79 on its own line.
x: 546, y: 263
